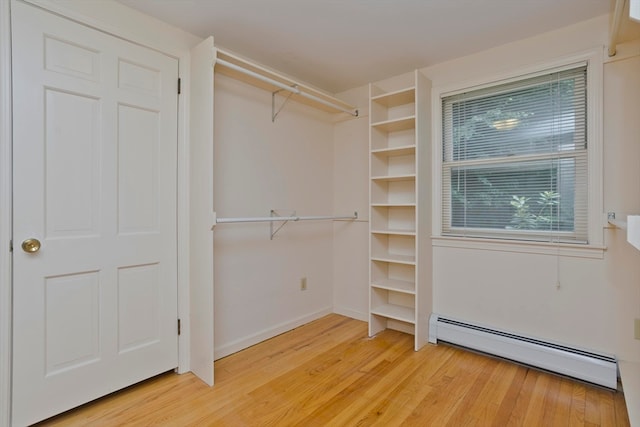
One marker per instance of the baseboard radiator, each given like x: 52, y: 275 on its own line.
x: 583, y: 365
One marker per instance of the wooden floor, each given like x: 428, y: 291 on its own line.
x: 329, y: 373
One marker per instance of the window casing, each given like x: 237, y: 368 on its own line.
x: 515, y: 160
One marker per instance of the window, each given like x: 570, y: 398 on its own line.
x: 514, y: 160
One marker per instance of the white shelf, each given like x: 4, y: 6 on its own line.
x: 398, y: 259
x: 395, y: 151
x: 399, y: 289
x: 396, y: 125
x: 395, y: 98
x: 395, y: 232
x: 393, y: 205
x: 394, y: 285
x: 390, y: 178
x: 397, y: 312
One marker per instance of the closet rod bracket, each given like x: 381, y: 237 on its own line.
x: 274, y: 214
x: 275, y: 113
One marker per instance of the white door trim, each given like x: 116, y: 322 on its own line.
x: 202, y: 216
x: 5, y: 213
x: 184, y: 281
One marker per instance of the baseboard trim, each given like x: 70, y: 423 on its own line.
x: 630, y: 376
x: 242, y: 343
x: 351, y: 313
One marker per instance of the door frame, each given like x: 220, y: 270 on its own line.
x: 5, y: 213
x: 136, y: 28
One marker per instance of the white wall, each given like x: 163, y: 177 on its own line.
x: 351, y: 193
x: 621, y: 267
x: 259, y: 166
x: 598, y: 299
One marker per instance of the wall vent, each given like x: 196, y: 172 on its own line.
x: 584, y: 365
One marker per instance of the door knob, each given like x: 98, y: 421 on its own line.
x: 31, y: 245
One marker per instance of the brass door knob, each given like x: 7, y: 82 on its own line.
x: 31, y: 245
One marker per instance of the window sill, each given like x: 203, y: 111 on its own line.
x: 543, y: 248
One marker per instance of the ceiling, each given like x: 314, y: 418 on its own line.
x: 341, y: 44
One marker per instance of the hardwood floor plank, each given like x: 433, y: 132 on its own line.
x: 607, y: 411
x: 592, y: 407
x: 550, y: 400
x: 354, y: 398
x: 535, y: 409
x: 511, y: 397
x: 391, y: 402
x: 275, y: 359
x: 322, y: 378
x: 462, y: 414
x: 451, y: 383
x: 562, y: 414
x: 523, y: 400
x: 620, y: 408
x: 578, y: 404
x: 487, y: 406
x: 332, y: 330
x: 329, y: 373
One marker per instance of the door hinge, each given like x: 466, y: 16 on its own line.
x: 178, y: 326
x: 10, y: 245
x: 179, y: 84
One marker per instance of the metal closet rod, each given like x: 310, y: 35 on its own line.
x: 293, y: 89
x: 284, y: 218
x: 614, y: 28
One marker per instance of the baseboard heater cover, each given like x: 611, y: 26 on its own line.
x: 584, y: 365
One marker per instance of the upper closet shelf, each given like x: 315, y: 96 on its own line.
x: 396, y: 125
x: 241, y: 69
x: 396, y: 98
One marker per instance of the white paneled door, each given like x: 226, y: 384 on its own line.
x: 95, y: 263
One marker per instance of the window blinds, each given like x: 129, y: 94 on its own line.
x: 515, y: 160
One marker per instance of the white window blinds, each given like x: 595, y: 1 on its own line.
x: 514, y: 160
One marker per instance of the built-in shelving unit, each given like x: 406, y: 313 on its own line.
x: 399, y: 238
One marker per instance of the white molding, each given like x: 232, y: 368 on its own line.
x: 624, y: 51
x: 123, y: 22
x: 595, y: 81
x: 5, y: 213
x: 630, y: 376
x: 518, y: 73
x: 201, y: 213
x: 502, y: 245
x: 436, y: 159
x: 184, y: 339
x: 345, y: 311
x: 595, y: 130
x: 634, y: 10
x: 265, y: 334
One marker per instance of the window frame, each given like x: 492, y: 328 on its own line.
x: 594, y: 246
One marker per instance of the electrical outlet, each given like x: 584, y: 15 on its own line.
x: 636, y: 329
x: 303, y: 284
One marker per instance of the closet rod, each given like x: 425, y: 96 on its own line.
x: 276, y: 83
x: 284, y: 218
x: 614, y: 27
